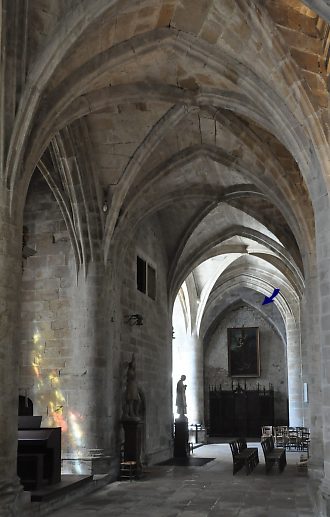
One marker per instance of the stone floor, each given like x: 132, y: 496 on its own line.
x: 207, y: 491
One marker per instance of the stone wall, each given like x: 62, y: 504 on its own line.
x: 272, y: 358
x: 65, y: 355
x: 46, y: 323
x: 151, y: 342
x: 62, y: 362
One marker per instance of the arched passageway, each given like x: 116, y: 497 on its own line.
x: 162, y: 154
x: 231, y: 288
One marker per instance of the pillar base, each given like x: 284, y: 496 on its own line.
x: 323, y: 500
x: 13, y: 499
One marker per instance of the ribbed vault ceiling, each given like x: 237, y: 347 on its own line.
x: 199, y: 114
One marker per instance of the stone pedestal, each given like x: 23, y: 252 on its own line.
x: 96, y: 461
x: 133, y: 441
x: 181, y: 448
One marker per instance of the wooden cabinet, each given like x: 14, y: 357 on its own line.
x: 240, y: 413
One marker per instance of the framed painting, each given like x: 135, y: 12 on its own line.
x: 243, y: 352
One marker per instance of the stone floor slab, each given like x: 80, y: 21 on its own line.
x: 203, y: 491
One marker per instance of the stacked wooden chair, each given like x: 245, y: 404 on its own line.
x: 303, y: 439
x: 281, y: 436
x: 292, y: 438
x: 266, y: 430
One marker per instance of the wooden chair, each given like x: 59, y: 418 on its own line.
x: 237, y: 459
x: 273, y: 455
x: 304, y: 442
x: 266, y: 430
x: 273, y: 446
x: 128, y: 470
x: 243, y: 455
x: 292, y: 439
x: 280, y: 435
x: 252, y: 451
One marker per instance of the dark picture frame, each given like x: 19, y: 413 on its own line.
x: 243, y: 352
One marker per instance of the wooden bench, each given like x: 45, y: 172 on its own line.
x: 243, y: 455
x: 273, y: 454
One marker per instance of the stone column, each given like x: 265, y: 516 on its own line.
x: 198, y: 387
x: 322, y: 222
x: 294, y: 373
x: 87, y: 395
x: 311, y: 374
x: 10, y: 275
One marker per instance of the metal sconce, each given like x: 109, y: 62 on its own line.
x: 135, y: 319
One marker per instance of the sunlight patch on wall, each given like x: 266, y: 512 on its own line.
x: 49, y: 395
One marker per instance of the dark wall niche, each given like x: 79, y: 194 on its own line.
x: 145, y: 278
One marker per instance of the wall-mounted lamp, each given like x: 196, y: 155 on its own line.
x: 105, y: 206
x: 135, y: 319
x: 28, y: 252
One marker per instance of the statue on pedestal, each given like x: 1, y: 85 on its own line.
x: 132, y: 397
x: 181, y: 403
x: 181, y: 435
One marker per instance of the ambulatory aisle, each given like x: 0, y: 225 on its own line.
x: 208, y: 490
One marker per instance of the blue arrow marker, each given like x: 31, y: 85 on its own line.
x: 271, y: 299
